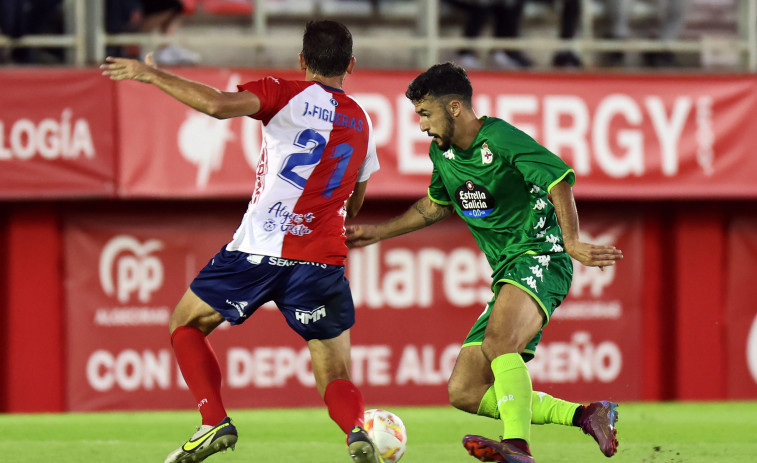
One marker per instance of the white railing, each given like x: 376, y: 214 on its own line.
x: 86, y: 39
x: 74, y: 40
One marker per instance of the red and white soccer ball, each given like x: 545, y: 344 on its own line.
x: 387, y: 432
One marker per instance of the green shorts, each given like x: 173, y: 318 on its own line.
x: 546, y: 278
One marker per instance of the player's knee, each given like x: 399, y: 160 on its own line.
x: 494, y: 346
x: 202, y: 317
x: 175, y: 321
x: 460, y: 397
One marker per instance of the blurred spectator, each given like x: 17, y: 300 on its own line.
x: 123, y: 16
x: 671, y: 22
x: 507, y: 15
x: 671, y: 14
x: 166, y: 16
x: 29, y: 17
x: 569, y: 19
x: 147, y: 16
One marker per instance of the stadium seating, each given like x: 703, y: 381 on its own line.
x: 226, y: 7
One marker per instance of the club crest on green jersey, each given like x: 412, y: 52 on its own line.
x: 474, y: 200
x: 486, y: 154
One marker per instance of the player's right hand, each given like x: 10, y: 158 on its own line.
x: 129, y: 69
x: 594, y: 255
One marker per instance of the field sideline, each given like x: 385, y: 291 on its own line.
x: 648, y: 432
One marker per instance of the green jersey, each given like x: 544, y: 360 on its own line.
x: 500, y: 186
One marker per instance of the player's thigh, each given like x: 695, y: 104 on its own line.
x: 330, y: 359
x: 235, y: 284
x: 515, y: 319
x: 527, y: 290
x: 193, y: 311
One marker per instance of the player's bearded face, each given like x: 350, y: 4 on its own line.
x: 445, y: 132
x: 436, y: 122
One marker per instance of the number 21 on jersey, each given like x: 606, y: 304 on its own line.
x: 314, y: 144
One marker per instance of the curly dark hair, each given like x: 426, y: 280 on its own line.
x: 327, y: 47
x: 442, y: 81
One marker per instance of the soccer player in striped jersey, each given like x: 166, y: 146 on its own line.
x: 317, y: 155
x: 516, y: 198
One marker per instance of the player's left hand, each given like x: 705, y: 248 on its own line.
x: 594, y: 255
x: 129, y: 69
x: 359, y: 236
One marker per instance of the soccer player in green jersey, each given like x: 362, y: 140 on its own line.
x: 516, y: 198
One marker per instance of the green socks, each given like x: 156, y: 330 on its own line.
x: 488, y: 405
x: 545, y: 409
x: 512, y: 386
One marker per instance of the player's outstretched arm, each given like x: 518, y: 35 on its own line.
x: 422, y: 214
x: 592, y: 255
x: 197, y: 95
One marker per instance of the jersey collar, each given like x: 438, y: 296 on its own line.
x: 331, y: 89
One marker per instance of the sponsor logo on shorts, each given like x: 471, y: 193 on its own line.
x: 255, y: 259
x: 240, y: 306
x: 474, y: 200
x: 307, y: 316
x: 281, y: 262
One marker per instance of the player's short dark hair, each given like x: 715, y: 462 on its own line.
x: 327, y: 47
x: 443, y: 81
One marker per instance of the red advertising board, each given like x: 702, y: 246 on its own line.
x: 416, y: 296
x: 741, y: 314
x: 591, y: 347
x: 66, y: 133
x: 626, y: 136
x: 170, y: 150
x: 57, y: 131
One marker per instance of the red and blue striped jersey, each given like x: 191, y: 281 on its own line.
x: 317, y: 143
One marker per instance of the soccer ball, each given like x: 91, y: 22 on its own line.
x: 387, y: 432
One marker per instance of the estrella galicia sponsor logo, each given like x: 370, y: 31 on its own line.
x: 474, y: 200
x: 307, y: 316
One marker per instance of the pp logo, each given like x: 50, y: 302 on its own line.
x: 134, y: 269
x: 593, y: 278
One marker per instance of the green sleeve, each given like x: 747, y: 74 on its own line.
x: 537, y: 164
x: 436, y: 190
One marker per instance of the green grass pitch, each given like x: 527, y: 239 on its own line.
x: 648, y: 432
